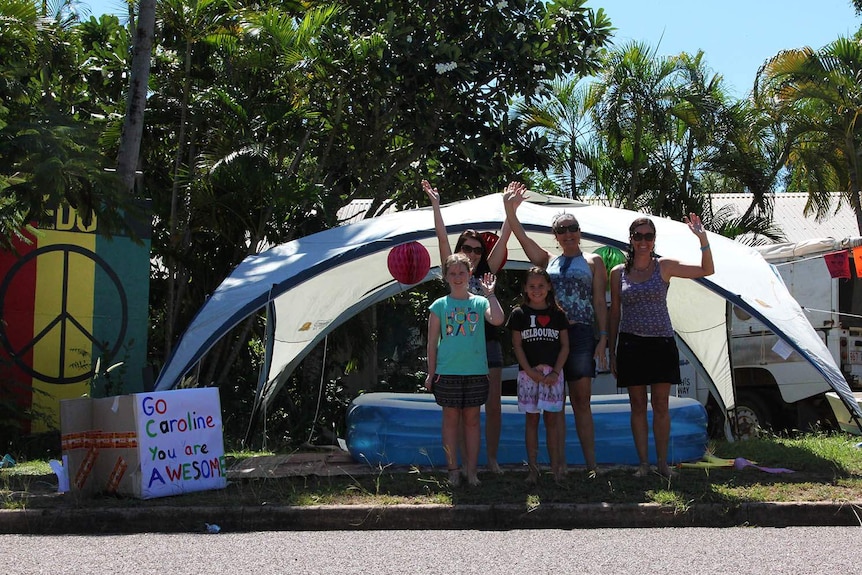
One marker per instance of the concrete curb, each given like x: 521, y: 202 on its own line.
x: 355, y: 517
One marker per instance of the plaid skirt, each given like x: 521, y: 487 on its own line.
x: 460, y: 390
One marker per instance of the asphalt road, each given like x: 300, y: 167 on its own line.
x: 689, y: 551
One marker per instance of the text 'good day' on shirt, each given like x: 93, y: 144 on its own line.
x: 461, y: 348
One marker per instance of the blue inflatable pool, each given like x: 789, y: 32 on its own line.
x: 404, y: 429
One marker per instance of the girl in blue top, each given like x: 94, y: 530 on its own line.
x: 457, y: 361
x: 472, y: 244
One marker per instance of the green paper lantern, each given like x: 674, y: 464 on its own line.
x: 612, y: 257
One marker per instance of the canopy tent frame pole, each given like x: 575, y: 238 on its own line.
x: 319, y: 389
x: 733, y: 428
x: 262, y: 374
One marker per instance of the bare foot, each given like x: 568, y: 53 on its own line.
x: 532, y: 476
x: 494, y: 467
x: 644, y: 470
x: 454, y: 477
x: 666, y: 472
x: 559, y: 476
x: 473, y: 480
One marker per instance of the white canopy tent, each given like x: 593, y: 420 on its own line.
x: 311, y: 285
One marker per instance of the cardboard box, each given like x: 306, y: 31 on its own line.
x: 145, y: 445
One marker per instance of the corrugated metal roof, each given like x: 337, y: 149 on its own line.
x: 355, y: 211
x: 789, y: 217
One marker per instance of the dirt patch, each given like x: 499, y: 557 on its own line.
x: 322, y: 463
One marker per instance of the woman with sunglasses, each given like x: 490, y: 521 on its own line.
x: 472, y: 244
x: 643, y: 351
x: 579, y: 281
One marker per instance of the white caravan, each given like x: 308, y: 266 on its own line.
x: 774, y: 385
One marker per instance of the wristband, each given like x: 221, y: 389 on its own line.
x: 704, y: 248
x: 603, y: 332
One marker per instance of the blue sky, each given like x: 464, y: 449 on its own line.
x: 737, y: 36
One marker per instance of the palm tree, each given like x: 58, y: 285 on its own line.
x: 185, y: 26
x: 750, y: 153
x: 631, y: 103
x: 819, y: 97
x: 751, y: 229
x: 563, y: 120
x: 702, y: 99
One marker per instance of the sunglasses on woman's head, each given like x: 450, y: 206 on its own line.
x: 637, y: 236
x: 569, y: 228
x: 465, y: 249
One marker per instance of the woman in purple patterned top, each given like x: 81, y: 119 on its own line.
x: 643, y: 351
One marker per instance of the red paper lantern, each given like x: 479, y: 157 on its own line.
x: 490, y: 239
x: 409, y: 263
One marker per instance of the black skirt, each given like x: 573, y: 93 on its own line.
x: 646, y: 360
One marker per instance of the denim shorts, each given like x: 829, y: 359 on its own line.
x: 495, y: 353
x: 582, y: 348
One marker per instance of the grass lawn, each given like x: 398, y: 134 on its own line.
x: 826, y: 468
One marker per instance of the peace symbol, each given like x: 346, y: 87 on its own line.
x: 65, y: 322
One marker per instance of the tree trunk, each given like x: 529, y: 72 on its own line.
x: 636, y: 166
x: 133, y: 123
x: 177, y: 229
x: 855, y: 178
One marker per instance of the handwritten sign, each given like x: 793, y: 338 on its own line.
x: 181, y: 441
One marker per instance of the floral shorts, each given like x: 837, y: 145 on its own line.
x: 536, y: 397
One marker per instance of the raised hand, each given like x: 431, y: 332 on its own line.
x: 694, y: 224
x: 432, y: 193
x: 488, y: 283
x: 514, y: 194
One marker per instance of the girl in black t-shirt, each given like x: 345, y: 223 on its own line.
x: 541, y: 341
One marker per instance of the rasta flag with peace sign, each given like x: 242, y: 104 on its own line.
x: 72, y: 304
